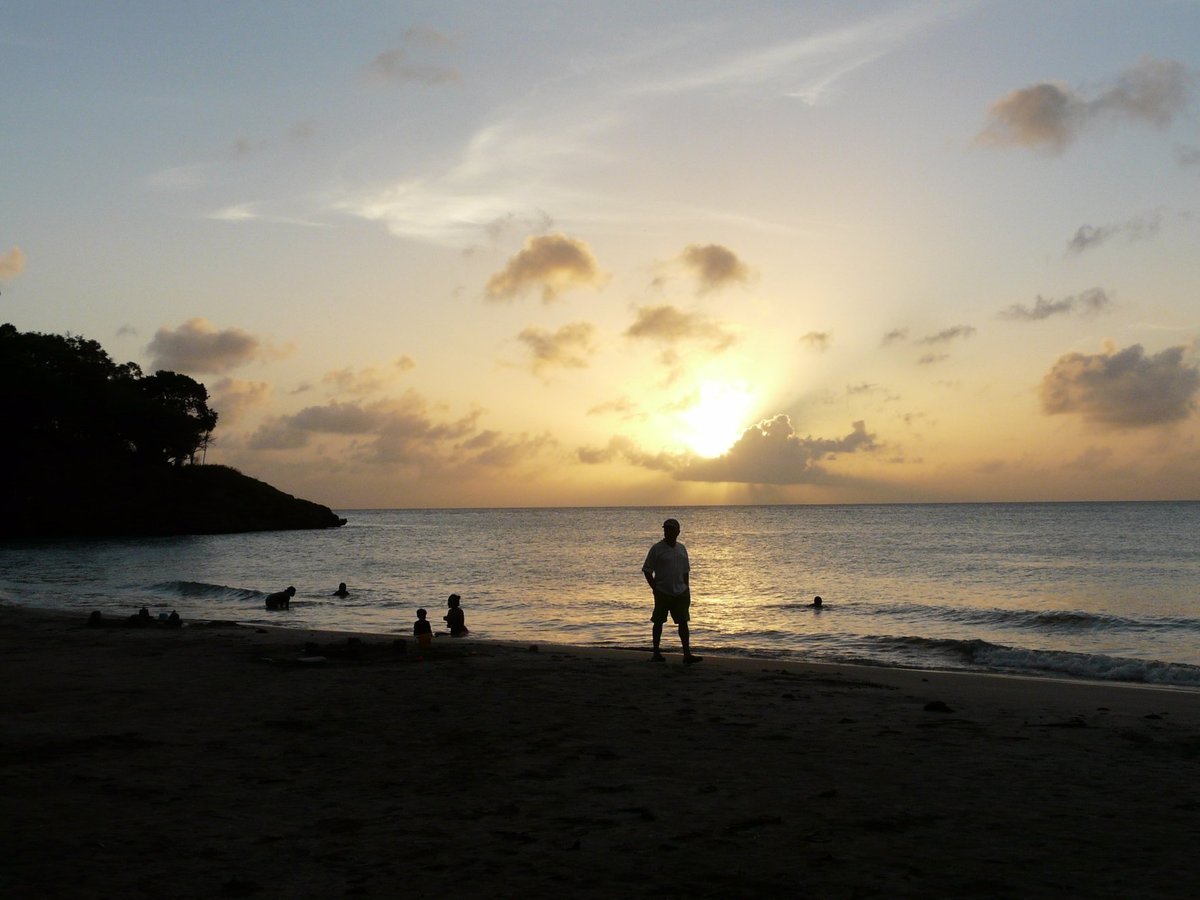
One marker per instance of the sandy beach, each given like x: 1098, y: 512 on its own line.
x: 211, y: 762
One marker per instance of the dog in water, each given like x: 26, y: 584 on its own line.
x: 281, y: 599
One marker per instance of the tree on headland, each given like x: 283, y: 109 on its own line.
x: 63, y: 399
x: 91, y: 446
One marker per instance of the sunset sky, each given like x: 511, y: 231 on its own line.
x: 608, y: 253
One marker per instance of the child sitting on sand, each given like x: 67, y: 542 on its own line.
x: 454, y: 617
x: 423, y: 629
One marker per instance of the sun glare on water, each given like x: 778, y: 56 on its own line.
x: 717, y: 419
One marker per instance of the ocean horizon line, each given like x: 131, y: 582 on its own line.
x: 862, y: 505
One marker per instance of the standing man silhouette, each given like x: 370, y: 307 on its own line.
x: 667, y: 569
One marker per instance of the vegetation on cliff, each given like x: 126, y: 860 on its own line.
x: 93, y: 447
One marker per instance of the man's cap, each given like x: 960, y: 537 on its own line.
x: 671, y: 523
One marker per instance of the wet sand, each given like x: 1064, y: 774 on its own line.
x: 210, y: 762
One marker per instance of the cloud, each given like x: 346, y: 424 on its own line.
x: 1091, y: 302
x: 402, y: 433
x: 392, y: 431
x: 568, y: 347
x: 817, y: 340
x: 551, y: 262
x: 772, y: 453
x: 364, y: 381
x: 233, y: 398
x: 806, y: 67
x: 930, y: 359
x: 1050, y: 116
x: 495, y: 450
x: 896, y: 335
x: 622, y: 407
x: 670, y: 325
x: 1122, y: 389
x: 12, y: 263
x: 396, y: 65
x: 1135, y: 229
x: 622, y: 449
x: 946, y: 335
x: 195, y: 346
x: 251, y: 212
x: 714, y: 266
x: 1188, y: 156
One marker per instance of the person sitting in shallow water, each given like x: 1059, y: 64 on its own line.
x: 281, y: 599
x: 454, y: 617
x: 341, y: 591
x: 423, y: 629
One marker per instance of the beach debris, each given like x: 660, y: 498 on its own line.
x: 937, y: 706
x: 1071, y: 722
x: 240, y: 887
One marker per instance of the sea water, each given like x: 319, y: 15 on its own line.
x: 1083, y: 590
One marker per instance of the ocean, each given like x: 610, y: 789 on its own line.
x: 1097, y: 591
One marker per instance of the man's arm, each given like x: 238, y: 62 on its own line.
x: 648, y: 569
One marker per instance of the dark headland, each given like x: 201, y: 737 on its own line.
x: 189, y: 499
x: 95, y: 448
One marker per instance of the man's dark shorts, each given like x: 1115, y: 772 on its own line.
x: 677, y: 606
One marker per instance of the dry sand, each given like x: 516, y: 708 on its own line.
x: 207, y: 762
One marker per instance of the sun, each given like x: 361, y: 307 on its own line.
x: 717, y: 419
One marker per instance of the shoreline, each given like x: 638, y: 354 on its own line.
x: 207, y: 761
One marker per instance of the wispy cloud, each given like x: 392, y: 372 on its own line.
x: 1138, y: 228
x: 407, y: 63
x: 253, y: 212
x: 806, y: 67
x: 1089, y: 302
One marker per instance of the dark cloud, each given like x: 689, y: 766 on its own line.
x: 946, y: 335
x: 714, y: 266
x: 499, y: 451
x: 401, y: 431
x: 1138, y: 228
x: 622, y: 449
x: 1122, y: 389
x: 670, y: 325
x: 569, y: 347
x: 1090, y: 302
x: 1051, y: 116
x: 552, y: 263
x: 195, y: 346
x: 817, y: 340
x: 12, y: 263
x: 772, y: 453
